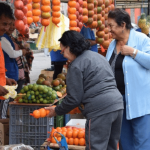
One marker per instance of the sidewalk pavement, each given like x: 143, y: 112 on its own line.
x: 37, y: 51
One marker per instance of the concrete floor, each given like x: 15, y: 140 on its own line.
x: 40, y: 62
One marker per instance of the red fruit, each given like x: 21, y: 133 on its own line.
x: 25, y: 10
x: 18, y: 5
x: 80, y: 10
x: 19, y: 14
x: 19, y: 24
x: 24, y: 20
x: 80, y: 25
x: 77, y: 6
x: 80, y: 2
x: 80, y: 18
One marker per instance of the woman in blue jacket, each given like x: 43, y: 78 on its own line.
x: 129, y: 57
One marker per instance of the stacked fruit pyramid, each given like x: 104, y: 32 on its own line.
x: 34, y: 93
x: 73, y: 135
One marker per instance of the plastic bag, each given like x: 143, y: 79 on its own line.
x: 49, y: 38
x: 16, y: 147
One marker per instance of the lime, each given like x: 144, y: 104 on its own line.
x: 45, y: 90
x: 38, y: 101
x: 44, y: 95
x: 60, y: 86
x: 49, y: 93
x: 20, y: 100
x: 50, y: 89
x: 25, y: 88
x: 32, y: 92
x: 34, y: 100
x: 40, y: 96
x: 25, y: 97
x: 22, y: 91
x: 41, y: 92
x: 30, y: 101
x: 53, y: 92
x: 26, y: 101
x: 35, y: 88
x: 44, y: 101
x: 41, y: 88
x: 53, y: 96
x: 37, y: 93
x: 48, y: 98
x: 29, y: 92
x: 41, y: 99
x: 32, y: 97
x: 48, y: 101
x: 51, y: 101
x: 30, y: 86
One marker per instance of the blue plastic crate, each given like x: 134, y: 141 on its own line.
x: 25, y: 129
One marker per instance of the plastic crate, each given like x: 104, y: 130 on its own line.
x: 25, y: 129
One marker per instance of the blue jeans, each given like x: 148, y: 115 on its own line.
x: 135, y: 133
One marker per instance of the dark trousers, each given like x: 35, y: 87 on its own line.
x: 57, y: 70
x: 103, y: 132
x: 20, y: 85
x: 135, y: 133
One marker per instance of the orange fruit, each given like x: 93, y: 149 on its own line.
x: 58, y: 135
x: 70, y: 141
x: 67, y: 140
x: 75, y: 133
x: 47, y: 112
x: 59, y: 139
x: 64, y: 129
x: 42, y: 112
x: 64, y: 133
x: 53, y: 140
x: 69, y: 134
x: 52, y: 132
x: 76, y: 141
x: 58, y: 129
x: 81, y: 134
x: 81, y: 141
x: 36, y: 114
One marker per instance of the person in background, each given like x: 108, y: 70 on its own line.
x: 88, y: 34
x: 6, y: 16
x: 58, y: 61
x: 26, y: 60
x: 91, y: 86
x: 129, y: 57
x: 10, y: 55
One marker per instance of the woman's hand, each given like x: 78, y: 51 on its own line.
x: 10, y: 81
x: 52, y: 111
x: 126, y: 50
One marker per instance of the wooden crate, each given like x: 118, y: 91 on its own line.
x: 47, y: 73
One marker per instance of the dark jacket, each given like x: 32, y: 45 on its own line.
x: 90, y: 81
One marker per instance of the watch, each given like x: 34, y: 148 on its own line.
x: 134, y: 52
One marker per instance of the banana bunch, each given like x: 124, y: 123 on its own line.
x: 12, y: 93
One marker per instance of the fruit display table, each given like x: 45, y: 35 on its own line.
x: 53, y: 145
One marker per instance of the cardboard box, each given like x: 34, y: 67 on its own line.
x: 4, y: 131
x: 79, y: 123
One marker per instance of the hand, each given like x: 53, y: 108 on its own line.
x: 126, y: 50
x: 52, y: 111
x: 3, y: 91
x: 10, y: 81
x: 24, y: 52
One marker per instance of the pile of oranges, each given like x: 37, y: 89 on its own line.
x: 73, y: 135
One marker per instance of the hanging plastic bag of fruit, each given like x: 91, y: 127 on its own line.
x: 53, y: 33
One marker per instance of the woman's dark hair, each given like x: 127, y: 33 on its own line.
x: 75, y: 41
x: 6, y: 10
x: 120, y: 16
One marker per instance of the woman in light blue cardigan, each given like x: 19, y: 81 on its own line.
x: 129, y: 57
